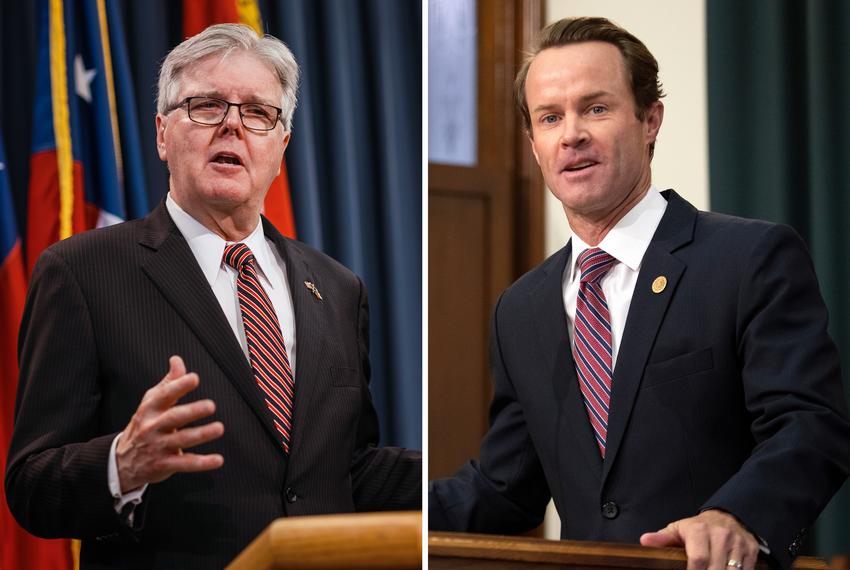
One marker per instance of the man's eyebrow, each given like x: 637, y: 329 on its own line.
x: 546, y: 107
x: 220, y: 95
x: 600, y: 94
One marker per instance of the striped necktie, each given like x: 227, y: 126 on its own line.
x: 266, y: 349
x: 592, y: 341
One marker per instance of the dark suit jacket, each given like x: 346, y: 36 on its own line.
x: 726, y: 393
x: 104, y: 312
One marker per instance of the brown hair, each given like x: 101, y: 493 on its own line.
x: 640, y: 63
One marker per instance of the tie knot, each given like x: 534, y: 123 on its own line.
x: 594, y: 264
x: 238, y: 255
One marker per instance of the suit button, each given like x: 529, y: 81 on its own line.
x: 792, y: 550
x: 291, y: 495
x: 610, y: 510
x: 794, y: 547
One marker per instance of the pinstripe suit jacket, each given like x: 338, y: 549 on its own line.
x: 104, y: 312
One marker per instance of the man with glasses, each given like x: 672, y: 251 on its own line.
x: 264, y: 410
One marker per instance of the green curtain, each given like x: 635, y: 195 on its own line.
x: 779, y: 143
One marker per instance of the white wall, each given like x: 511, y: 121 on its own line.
x: 674, y: 31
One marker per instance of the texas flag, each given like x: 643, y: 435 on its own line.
x: 86, y: 165
x: 18, y: 549
x: 199, y: 14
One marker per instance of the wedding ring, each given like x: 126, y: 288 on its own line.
x: 735, y: 564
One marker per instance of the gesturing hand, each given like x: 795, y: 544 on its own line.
x: 713, y: 540
x: 151, y: 447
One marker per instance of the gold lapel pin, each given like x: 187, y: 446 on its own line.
x: 309, y: 285
x: 659, y: 284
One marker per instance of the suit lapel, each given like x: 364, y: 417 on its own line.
x: 646, y: 313
x: 547, y: 300
x: 310, y: 326
x: 175, y: 272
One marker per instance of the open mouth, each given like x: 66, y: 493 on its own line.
x: 225, y: 158
x: 580, y: 166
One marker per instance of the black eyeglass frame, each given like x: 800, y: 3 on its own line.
x: 187, y: 103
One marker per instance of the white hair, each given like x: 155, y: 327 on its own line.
x: 224, y: 39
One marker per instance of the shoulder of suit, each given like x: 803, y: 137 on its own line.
x: 319, y: 261
x: 736, y: 231
x: 89, y: 253
x: 733, y: 235
x: 96, y: 239
x: 532, y: 279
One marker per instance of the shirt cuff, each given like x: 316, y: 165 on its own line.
x: 132, y: 498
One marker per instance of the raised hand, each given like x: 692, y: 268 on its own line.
x: 151, y: 447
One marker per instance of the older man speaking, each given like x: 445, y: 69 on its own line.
x: 264, y: 410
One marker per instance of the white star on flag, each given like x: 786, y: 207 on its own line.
x: 83, y: 78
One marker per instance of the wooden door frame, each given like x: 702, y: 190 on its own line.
x: 507, y: 189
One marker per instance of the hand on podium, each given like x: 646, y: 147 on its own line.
x: 713, y: 540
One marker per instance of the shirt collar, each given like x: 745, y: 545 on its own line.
x: 208, y: 247
x: 628, y: 241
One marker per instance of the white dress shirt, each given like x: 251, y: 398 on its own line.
x: 208, y: 249
x: 627, y: 242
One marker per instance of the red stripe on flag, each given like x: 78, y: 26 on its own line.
x: 278, y: 205
x: 43, y: 220
x: 43, y: 207
x: 19, y: 548
x: 198, y: 14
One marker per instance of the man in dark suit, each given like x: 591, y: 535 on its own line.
x: 105, y: 451
x: 668, y: 369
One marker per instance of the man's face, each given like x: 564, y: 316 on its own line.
x: 592, y: 149
x: 201, y: 158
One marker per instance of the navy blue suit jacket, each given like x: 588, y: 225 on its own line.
x: 726, y: 394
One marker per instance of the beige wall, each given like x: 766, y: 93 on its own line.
x: 674, y: 31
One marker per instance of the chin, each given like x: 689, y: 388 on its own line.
x: 228, y: 191
x: 580, y: 198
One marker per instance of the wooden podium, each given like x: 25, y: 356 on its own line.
x: 357, y: 541
x: 449, y: 550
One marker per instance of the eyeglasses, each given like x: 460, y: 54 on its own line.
x: 212, y: 111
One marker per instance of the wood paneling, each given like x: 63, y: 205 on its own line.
x: 485, y: 229
x: 459, y: 233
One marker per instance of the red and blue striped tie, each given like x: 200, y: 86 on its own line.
x: 266, y: 349
x: 592, y: 341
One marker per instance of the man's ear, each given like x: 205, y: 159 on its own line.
x: 160, y: 137
x: 533, y: 148
x: 286, y: 138
x: 653, y: 119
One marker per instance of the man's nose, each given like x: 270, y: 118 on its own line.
x: 574, y: 132
x: 232, y: 121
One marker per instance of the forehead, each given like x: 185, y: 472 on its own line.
x: 237, y: 74
x: 577, y: 68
